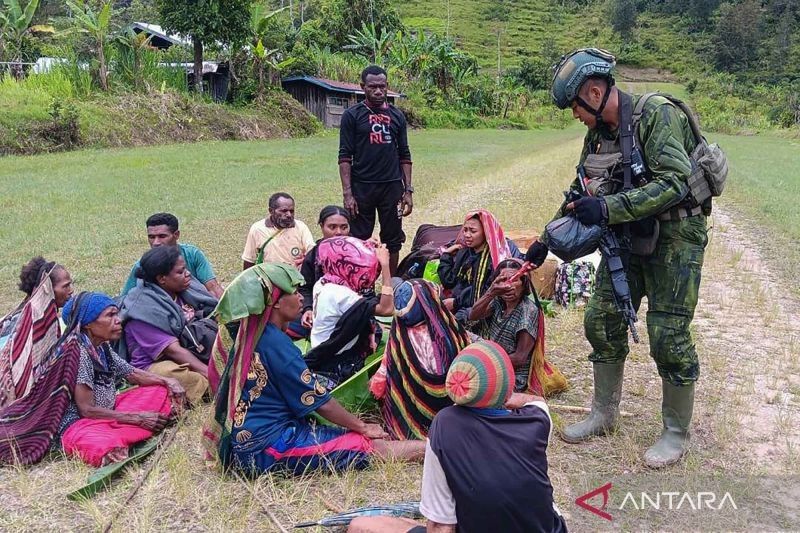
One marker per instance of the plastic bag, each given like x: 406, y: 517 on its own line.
x: 569, y: 239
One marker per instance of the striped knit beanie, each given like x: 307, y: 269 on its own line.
x: 481, y: 376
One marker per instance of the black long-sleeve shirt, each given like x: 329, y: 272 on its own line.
x: 375, y: 142
x: 311, y: 273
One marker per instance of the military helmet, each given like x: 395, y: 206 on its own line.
x: 574, y: 69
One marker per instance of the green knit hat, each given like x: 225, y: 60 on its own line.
x: 481, y: 376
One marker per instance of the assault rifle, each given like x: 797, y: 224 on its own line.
x: 612, y: 252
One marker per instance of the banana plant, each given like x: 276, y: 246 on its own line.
x: 97, y: 24
x: 15, y: 23
x: 132, y: 47
x: 265, y: 60
x: 370, y: 43
x: 268, y: 58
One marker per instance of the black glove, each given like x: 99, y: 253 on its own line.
x: 591, y: 210
x: 537, y: 253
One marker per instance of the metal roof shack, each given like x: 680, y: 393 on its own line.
x: 327, y: 99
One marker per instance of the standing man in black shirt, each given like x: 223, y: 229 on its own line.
x: 375, y: 165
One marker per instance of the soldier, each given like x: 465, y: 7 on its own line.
x: 656, y: 210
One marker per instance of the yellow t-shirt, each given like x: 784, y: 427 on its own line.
x: 289, y: 247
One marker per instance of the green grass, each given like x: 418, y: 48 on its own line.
x: 87, y: 210
x: 662, y: 41
x: 133, y: 119
x: 764, y: 185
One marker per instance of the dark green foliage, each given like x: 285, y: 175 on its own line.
x: 498, y: 11
x: 534, y: 72
x: 737, y: 35
x: 227, y: 21
x: 622, y: 16
x: 340, y: 18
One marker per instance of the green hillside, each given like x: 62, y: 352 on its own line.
x: 544, y: 26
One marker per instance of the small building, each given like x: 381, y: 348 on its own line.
x: 327, y: 99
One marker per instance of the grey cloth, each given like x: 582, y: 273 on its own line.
x: 151, y: 304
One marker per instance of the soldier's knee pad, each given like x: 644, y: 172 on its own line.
x: 672, y: 347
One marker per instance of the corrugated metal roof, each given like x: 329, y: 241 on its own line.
x: 332, y: 85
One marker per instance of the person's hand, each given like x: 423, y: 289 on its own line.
x: 499, y: 286
x: 307, y: 320
x: 449, y: 303
x: 350, y: 203
x: 374, y: 431
x: 519, y: 399
x: 298, y: 261
x: 176, y: 392
x: 453, y: 248
x: 383, y: 255
x: 115, y: 456
x: 154, y: 422
x: 537, y: 253
x: 407, y: 203
x: 589, y: 210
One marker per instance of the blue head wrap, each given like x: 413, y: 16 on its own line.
x: 408, y: 307
x: 89, y: 307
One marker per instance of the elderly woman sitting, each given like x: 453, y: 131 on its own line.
x: 33, y: 275
x: 99, y: 425
x: 515, y: 321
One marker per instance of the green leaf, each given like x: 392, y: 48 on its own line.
x: 259, y: 51
x: 105, y: 16
x: 30, y: 11
x: 103, y: 476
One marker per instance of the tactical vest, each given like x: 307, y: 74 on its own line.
x: 604, y: 172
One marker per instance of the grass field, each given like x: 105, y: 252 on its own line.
x: 529, y: 26
x: 87, y: 210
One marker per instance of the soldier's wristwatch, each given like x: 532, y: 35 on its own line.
x: 410, y: 189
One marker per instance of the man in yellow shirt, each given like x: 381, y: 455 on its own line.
x: 278, y: 238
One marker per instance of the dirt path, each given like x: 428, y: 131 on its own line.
x: 748, y: 314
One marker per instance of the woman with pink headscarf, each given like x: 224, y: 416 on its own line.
x: 466, y: 265
x: 345, y: 305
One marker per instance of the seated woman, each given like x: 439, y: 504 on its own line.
x: 424, y: 339
x: 156, y: 313
x: 516, y: 322
x: 99, y: 425
x: 28, y: 334
x: 343, y: 333
x: 466, y: 265
x: 334, y: 221
x: 31, y: 277
x: 264, y: 391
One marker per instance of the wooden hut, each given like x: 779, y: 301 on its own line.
x: 327, y: 99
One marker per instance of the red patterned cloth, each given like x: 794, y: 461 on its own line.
x: 493, y: 233
x: 25, y: 356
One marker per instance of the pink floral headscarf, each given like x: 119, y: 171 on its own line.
x: 349, y: 262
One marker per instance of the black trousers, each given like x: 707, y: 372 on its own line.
x: 383, y: 199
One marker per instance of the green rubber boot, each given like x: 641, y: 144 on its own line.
x: 676, y: 411
x: 605, y: 404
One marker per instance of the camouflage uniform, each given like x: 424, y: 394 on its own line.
x: 670, y: 277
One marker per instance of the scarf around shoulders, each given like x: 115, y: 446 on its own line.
x: 149, y: 303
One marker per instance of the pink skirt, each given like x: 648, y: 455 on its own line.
x: 91, y: 439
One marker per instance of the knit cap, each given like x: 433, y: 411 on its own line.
x: 481, y: 376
